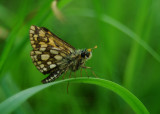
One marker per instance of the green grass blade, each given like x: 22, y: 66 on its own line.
x: 39, y: 18
x: 136, y: 57
x: 12, y: 36
x: 16, y: 100
x: 130, y: 33
x: 4, y: 16
x: 124, y: 29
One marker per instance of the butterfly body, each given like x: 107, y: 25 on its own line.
x: 53, y: 56
x: 77, y: 59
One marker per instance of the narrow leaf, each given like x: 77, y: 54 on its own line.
x: 16, y: 100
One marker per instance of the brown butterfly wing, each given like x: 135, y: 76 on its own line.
x: 48, y: 52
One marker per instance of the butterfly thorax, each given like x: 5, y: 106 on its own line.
x: 78, y: 58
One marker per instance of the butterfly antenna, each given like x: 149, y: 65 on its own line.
x: 92, y: 48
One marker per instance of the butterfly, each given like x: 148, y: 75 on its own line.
x: 52, y: 55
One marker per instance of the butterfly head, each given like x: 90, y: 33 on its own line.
x: 87, y: 53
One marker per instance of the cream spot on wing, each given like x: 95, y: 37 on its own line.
x: 32, y: 57
x: 32, y: 27
x: 38, y: 67
x: 34, y: 46
x: 59, y: 63
x: 44, y: 45
x: 44, y: 69
x: 30, y: 35
x: 54, y: 52
x: 42, y: 49
x: 57, y: 71
x: 51, y: 41
x: 31, y: 31
x: 42, y: 65
x: 49, y: 62
x: 41, y: 70
x: 56, y: 48
x: 38, y: 52
x: 63, y: 54
x: 35, y: 63
x: 41, y: 42
x: 71, y: 50
x: 35, y: 57
x: 49, y: 79
x: 62, y: 48
x: 41, y: 33
x: 39, y: 62
x: 45, y: 39
x: 52, y: 66
x: 55, y: 76
x: 45, y: 57
x: 31, y: 38
x: 72, y: 56
x: 32, y: 53
x: 35, y: 38
x: 35, y: 35
x: 58, y: 57
x: 52, y: 78
x: 32, y: 42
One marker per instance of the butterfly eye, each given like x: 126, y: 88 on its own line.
x: 83, y: 54
x: 87, y: 55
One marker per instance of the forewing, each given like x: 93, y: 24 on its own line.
x: 48, y: 50
x: 41, y: 37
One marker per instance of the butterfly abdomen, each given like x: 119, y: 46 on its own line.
x: 53, y: 76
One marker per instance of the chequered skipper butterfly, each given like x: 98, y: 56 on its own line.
x: 53, y: 56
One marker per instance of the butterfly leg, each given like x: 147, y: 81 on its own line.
x: 94, y: 73
x: 85, y: 67
x: 81, y: 72
x: 64, y: 74
x: 68, y: 81
x: 70, y: 74
x: 86, y: 72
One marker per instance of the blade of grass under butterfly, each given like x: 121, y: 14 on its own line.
x: 16, y: 100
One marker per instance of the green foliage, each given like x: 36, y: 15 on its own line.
x: 13, y: 102
x: 127, y: 36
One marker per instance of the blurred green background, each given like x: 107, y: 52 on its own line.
x: 114, y: 26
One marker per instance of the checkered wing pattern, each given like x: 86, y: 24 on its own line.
x: 49, y: 52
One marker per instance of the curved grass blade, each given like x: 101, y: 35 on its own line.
x: 16, y: 100
x: 124, y: 29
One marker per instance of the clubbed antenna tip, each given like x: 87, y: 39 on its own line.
x: 92, y: 48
